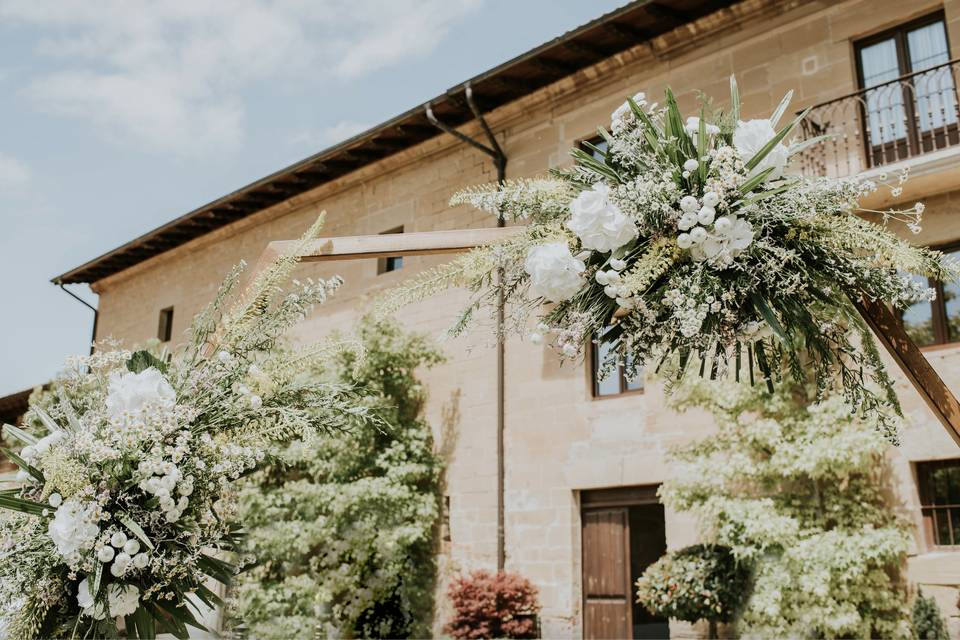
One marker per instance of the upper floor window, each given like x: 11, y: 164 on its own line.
x: 936, y: 322
x: 939, y: 484
x: 909, y: 102
x: 390, y: 263
x: 609, y: 383
x: 165, y: 329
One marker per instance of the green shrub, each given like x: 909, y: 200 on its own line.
x: 797, y: 488
x: 928, y: 624
x: 700, y: 582
x: 341, y: 527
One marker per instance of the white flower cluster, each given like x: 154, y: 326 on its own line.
x: 123, y: 552
x: 717, y: 240
x: 164, y: 480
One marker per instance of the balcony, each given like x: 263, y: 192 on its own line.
x: 908, y: 122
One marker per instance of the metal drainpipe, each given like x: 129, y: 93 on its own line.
x: 96, y: 313
x: 500, y: 161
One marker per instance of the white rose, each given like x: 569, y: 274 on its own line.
x: 123, y: 600
x: 598, y: 222
x: 73, y: 527
x: 554, y: 273
x: 751, y: 136
x: 133, y: 392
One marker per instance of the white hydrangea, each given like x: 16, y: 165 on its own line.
x: 598, y: 221
x: 751, y: 136
x: 123, y: 600
x: 74, y: 527
x: 555, y: 274
x: 130, y: 393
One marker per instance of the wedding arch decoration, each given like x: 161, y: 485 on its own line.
x: 125, y: 509
x: 686, y: 243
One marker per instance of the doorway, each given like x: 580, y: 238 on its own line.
x: 622, y: 533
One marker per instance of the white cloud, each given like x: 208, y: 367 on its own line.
x: 330, y: 135
x: 13, y: 173
x: 169, y: 75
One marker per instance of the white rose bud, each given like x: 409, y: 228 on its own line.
x: 691, y: 165
x: 131, y: 548
x: 698, y: 235
x: 723, y: 225
x: 141, y: 560
x: 122, y: 558
x: 711, y: 199
x: 610, y: 291
x: 55, y: 500
x: 684, y: 241
x: 618, y: 264
x: 105, y: 554
x: 601, y: 277
x: 118, y: 539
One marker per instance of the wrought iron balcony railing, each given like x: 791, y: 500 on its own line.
x: 915, y: 114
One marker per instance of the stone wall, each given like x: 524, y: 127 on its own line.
x: 559, y: 440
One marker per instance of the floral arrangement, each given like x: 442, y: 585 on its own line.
x: 699, y: 582
x: 488, y: 605
x: 127, y: 504
x: 341, y: 527
x: 799, y: 491
x: 688, y: 245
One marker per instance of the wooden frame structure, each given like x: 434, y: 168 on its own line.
x: 881, y: 320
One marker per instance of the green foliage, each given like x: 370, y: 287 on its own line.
x: 700, y: 582
x: 342, y: 526
x: 928, y: 624
x: 797, y: 489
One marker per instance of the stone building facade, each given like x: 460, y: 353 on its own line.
x: 573, y: 459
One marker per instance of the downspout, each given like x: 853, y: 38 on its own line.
x: 96, y: 313
x: 495, y: 151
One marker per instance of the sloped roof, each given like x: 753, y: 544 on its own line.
x: 606, y: 36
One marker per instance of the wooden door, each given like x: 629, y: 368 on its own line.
x: 607, y: 593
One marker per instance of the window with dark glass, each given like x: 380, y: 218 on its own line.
x: 939, y: 485
x: 909, y: 103
x: 390, y: 263
x: 615, y: 381
x: 936, y: 322
x: 165, y: 330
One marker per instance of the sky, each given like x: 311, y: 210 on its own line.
x: 117, y: 116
